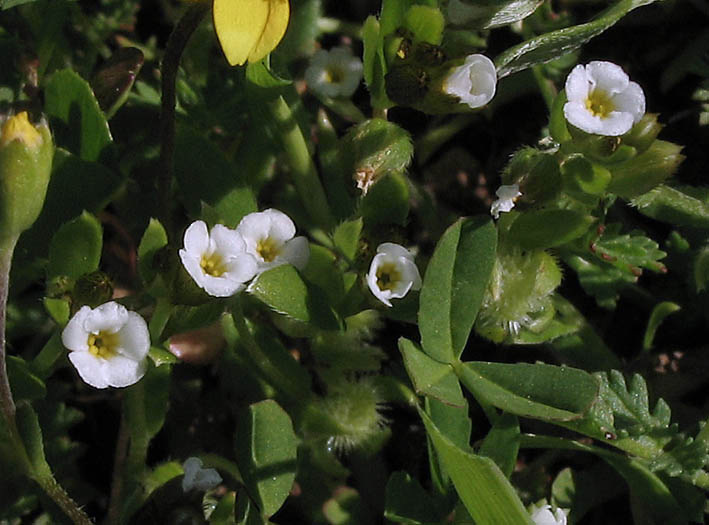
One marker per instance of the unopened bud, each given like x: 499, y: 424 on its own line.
x: 643, y: 134
x: 642, y: 173
x: 93, y: 289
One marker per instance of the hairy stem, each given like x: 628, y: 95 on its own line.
x: 170, y: 64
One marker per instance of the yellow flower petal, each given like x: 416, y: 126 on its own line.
x: 249, y: 29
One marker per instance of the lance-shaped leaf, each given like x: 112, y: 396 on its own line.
x: 250, y: 29
x: 454, y: 285
x: 429, y: 376
x: 490, y: 13
x: 550, y: 46
x: 540, y: 391
x: 488, y: 496
x: 680, y: 206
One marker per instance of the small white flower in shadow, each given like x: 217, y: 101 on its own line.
x: 334, y: 73
x: 108, y: 345
x: 392, y: 273
x: 602, y: 99
x: 217, y: 260
x: 269, y: 237
x: 544, y: 516
x: 196, y: 477
x: 474, y: 82
x: 506, y: 197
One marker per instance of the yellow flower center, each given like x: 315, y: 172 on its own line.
x: 19, y: 128
x: 268, y: 249
x: 387, y: 276
x: 103, y: 344
x: 599, y: 103
x: 213, y: 265
x: 334, y: 75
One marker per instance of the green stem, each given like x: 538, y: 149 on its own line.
x: 7, y: 403
x: 305, y: 176
x: 170, y: 64
x: 63, y: 500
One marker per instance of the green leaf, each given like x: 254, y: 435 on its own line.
x: 186, y: 318
x: 204, y: 174
x: 425, y: 22
x: 454, y: 285
x: 628, y: 252
x: 323, y: 272
x: 284, y: 291
x: 392, y: 15
x: 386, y: 202
x: 346, y: 237
x: 644, y: 172
x: 548, y: 228
x: 156, y: 385
x: 481, y: 485
x: 455, y: 424
x: 502, y: 443
x: 557, y: 121
x: 114, y: 79
x: 58, y: 309
x: 681, y: 205
x: 266, y: 448
x: 51, y: 352
x: 154, y: 238
x: 31, y: 434
x: 23, y: 383
x: 160, y: 356
x: 374, y: 64
x: 540, y: 391
x: 598, y: 278
x: 430, y: 377
x: 407, y: 502
x: 78, y: 123
x: 658, y: 314
x: 76, y: 247
x: 555, y: 44
x: 488, y: 14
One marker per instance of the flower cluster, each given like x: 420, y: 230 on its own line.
x: 392, y: 273
x: 222, y: 261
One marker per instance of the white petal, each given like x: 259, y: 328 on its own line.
x: 544, y: 516
x: 577, y: 115
x: 193, y: 267
x: 74, y: 336
x: 296, y: 252
x: 616, y: 124
x: 227, y: 242
x: 607, y: 76
x: 134, y: 338
x: 241, y: 268
x: 282, y: 227
x: 394, y: 251
x: 474, y: 82
x: 122, y: 371
x: 382, y: 295
x: 632, y: 101
x: 410, y: 273
x: 221, y: 286
x: 90, y: 369
x: 252, y: 228
x: 109, y: 317
x: 577, y: 85
x: 196, y: 238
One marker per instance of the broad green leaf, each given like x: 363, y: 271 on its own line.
x: 392, y: 15
x: 284, y: 291
x: 78, y: 122
x: 580, y: 176
x: 658, y: 314
x: 540, y: 391
x: 154, y: 238
x: 23, y: 383
x: 425, y: 22
x: 322, y: 271
x: 204, y: 174
x: 455, y: 424
x: 430, y: 377
x: 346, y: 237
x: 488, y: 496
x: 488, y: 14
x: 58, y: 309
x: 502, y: 443
x: 156, y: 385
x: 407, y: 502
x: 680, y: 206
x: 555, y: 44
x: 454, y: 285
x: 548, y: 228
x: 387, y: 201
x: 266, y: 448
x: 76, y: 247
x: 7, y: 4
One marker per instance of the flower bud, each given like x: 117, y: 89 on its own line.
x: 642, y: 173
x: 536, y: 173
x: 93, y: 289
x: 25, y: 165
x: 643, y: 134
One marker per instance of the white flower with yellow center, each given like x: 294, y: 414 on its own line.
x: 217, y: 260
x: 602, y: 99
x: 392, y: 273
x: 506, y: 197
x: 544, y: 516
x: 270, y: 238
x: 108, y: 345
x: 334, y: 73
x: 474, y: 82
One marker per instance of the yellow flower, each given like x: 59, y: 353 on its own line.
x: 250, y: 29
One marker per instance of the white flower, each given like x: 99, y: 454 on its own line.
x: 602, y: 99
x: 269, y: 237
x: 199, y: 478
x: 506, y: 197
x: 334, y: 73
x: 217, y: 260
x: 108, y: 345
x: 474, y: 82
x: 392, y: 273
x: 544, y: 516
